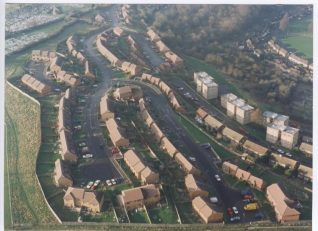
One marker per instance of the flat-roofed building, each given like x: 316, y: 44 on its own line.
x: 229, y: 168
x: 193, y: 187
x: 206, y: 85
x: 123, y: 93
x: 105, y: 112
x: 232, y: 135
x: 306, y: 148
x: 283, y: 161
x: 273, y: 133
x: 140, y: 170
x: 269, y: 117
x: 168, y: 146
x: 68, y: 151
x: 244, y: 114
x: 115, y: 134
x: 212, y: 123
x: 206, y: 211
x: 185, y: 164
x: 279, y: 200
x: 139, y: 196
x: 305, y: 173
x: 289, y: 137
x: 227, y: 98
x: 78, y: 198
x: 118, y: 31
x: 35, y: 84
x: 152, y: 35
x: 242, y: 174
x: 254, y: 148
x: 62, y: 174
x: 231, y: 106
x: 281, y: 120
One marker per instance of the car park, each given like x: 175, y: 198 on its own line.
x: 90, y: 184
x: 217, y: 177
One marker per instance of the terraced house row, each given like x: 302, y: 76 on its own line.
x: 171, y: 56
x: 165, y: 143
x: 35, y: 84
x: 61, y: 75
x: 127, y: 67
x: 125, y: 13
x: 71, y: 46
x: 165, y: 89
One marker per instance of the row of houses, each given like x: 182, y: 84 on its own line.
x: 61, y: 75
x: 165, y: 143
x: 171, y: 56
x: 125, y: 13
x: 133, y: 44
x: 71, y: 46
x: 129, y: 92
x: 68, y: 150
x: 214, y: 125
x: 165, y: 89
x: 237, y: 108
x: 138, y: 197
x: 125, y: 66
x: 140, y: 170
x: 35, y: 84
x: 207, y: 212
x: 290, y: 56
x: 43, y: 56
x: 116, y: 133
x: 243, y: 175
x: 62, y: 174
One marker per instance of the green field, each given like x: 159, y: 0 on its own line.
x: 164, y: 215
x: 23, y: 141
x: 299, y: 36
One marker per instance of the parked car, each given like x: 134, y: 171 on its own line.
x: 230, y: 211
x: 90, y: 184
x: 87, y: 156
x: 214, y: 200
x: 192, y: 158
x: 288, y: 154
x: 235, y: 210
x: 95, y: 185
x: 85, y: 149
x: 113, y: 181
x: 217, y: 177
x: 109, y: 183
x: 82, y: 144
x: 251, y: 207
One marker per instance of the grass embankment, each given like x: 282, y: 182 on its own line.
x: 299, y: 36
x: 23, y: 142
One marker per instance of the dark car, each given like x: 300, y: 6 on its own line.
x: 259, y: 216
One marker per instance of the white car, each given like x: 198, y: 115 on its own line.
x: 288, y: 154
x: 214, y: 200
x: 84, y: 149
x: 88, y: 155
x: 96, y: 183
x: 280, y: 151
x: 109, y: 183
x: 192, y: 158
x: 235, y: 210
x: 217, y: 177
x: 113, y: 181
x: 90, y: 184
x: 82, y: 144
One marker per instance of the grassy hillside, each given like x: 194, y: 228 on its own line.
x: 23, y: 140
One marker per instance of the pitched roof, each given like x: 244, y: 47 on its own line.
x: 242, y: 174
x: 113, y: 129
x: 307, y: 171
x: 231, y: 134
x: 201, y: 113
x: 305, y: 147
x: 212, y: 122
x: 283, y: 160
x: 184, y: 162
x: 255, y: 148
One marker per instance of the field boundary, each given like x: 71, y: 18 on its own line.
x: 38, y: 150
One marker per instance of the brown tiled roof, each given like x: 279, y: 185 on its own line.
x: 212, y: 122
x: 231, y: 134
x: 283, y: 160
x: 255, y: 148
x: 201, y: 113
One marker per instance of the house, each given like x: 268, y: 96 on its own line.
x: 229, y: 168
x: 227, y: 98
x: 62, y: 176
x: 207, y: 212
x: 140, y: 170
x: 232, y: 135
x: 87, y: 71
x: 162, y: 47
x: 35, y: 84
x: 283, y: 161
x: 118, y: 31
x: 138, y: 197
x: 64, y: 115
x: 201, y: 113
x: 305, y: 173
x: 254, y: 148
x: 45, y: 56
x: 193, y: 188
x: 105, y: 112
x: 289, y: 137
x: 175, y: 103
x: 68, y: 150
x: 115, y: 134
x: 185, y: 164
x: 306, y: 148
x: 256, y: 182
x: 242, y: 174
x: 173, y: 58
x: 105, y: 52
x: 152, y: 35
x: 78, y: 198
x: 156, y: 131
x: 123, y: 93
x: 168, y: 147
x: 279, y: 201
x: 99, y: 19
x: 212, y: 123
x: 164, y: 88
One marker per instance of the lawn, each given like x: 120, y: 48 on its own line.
x: 23, y: 141
x: 164, y: 215
x: 299, y: 36
x: 107, y: 215
x: 138, y: 216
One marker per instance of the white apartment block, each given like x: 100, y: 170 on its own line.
x: 244, y: 114
x: 288, y: 136
x: 206, y: 85
x: 227, y: 98
x: 273, y: 133
x: 231, y: 106
x: 272, y: 117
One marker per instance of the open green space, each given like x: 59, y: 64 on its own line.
x: 163, y: 215
x: 107, y: 215
x: 299, y: 36
x: 138, y: 216
x: 23, y: 141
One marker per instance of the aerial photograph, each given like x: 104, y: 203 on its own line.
x: 158, y: 117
